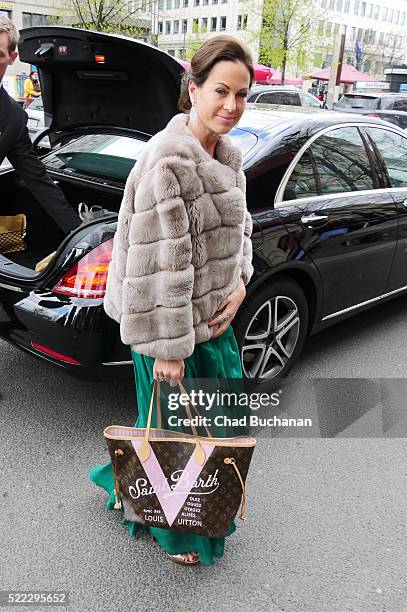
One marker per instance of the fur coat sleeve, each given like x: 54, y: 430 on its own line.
x: 152, y: 256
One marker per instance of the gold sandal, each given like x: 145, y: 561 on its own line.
x: 182, y: 559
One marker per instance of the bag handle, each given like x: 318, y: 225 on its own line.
x: 145, y: 449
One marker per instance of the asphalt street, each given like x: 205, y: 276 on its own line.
x: 326, y: 526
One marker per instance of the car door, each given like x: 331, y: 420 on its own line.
x: 347, y: 219
x: 391, y: 148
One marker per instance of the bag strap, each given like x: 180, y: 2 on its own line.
x: 145, y: 449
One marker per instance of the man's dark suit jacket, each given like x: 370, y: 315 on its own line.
x: 15, y: 144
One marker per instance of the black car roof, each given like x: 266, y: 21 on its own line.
x: 268, y: 118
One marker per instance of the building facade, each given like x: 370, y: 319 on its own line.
x: 376, y: 33
x: 181, y: 23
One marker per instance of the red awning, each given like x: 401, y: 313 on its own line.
x: 288, y: 80
x: 349, y: 74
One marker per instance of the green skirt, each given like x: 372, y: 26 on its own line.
x: 215, y: 358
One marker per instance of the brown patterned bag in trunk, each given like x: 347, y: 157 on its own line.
x: 178, y: 481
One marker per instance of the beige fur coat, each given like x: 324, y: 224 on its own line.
x: 182, y: 242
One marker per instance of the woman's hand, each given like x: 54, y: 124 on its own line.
x: 171, y: 370
x: 229, y: 307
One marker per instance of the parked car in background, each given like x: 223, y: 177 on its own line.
x: 35, y: 114
x: 327, y: 193
x: 390, y: 107
x: 290, y: 96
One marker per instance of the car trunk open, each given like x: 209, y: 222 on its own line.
x: 94, y: 79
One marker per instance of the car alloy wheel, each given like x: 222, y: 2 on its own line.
x: 271, y: 330
x: 271, y: 338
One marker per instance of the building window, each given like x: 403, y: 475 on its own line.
x: 323, y: 3
x: 171, y: 52
x: 339, y: 4
x: 176, y: 27
x: 403, y: 18
x: 363, y: 9
x: 213, y: 23
x: 223, y: 1
x: 168, y: 27
x: 160, y: 27
x: 168, y: 4
x: 347, y: 6
x: 320, y: 30
x: 214, y: 1
x: 396, y: 17
x: 353, y: 34
x: 195, y: 25
x: 328, y: 28
x: 381, y: 38
x: 331, y: 5
x: 356, y: 7
x: 35, y: 19
x: 185, y: 3
x: 204, y: 24
x: 391, y: 14
x: 161, y: 5
x: 6, y: 14
x: 205, y: 2
x: 376, y: 11
x: 197, y: 2
x: 369, y: 11
x: 241, y: 22
x: 185, y: 25
x: 222, y: 23
x: 176, y: 4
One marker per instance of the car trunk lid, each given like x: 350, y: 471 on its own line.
x: 94, y: 79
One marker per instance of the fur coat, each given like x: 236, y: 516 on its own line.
x: 182, y: 242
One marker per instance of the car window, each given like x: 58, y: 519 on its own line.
x: 357, y: 101
x: 393, y: 149
x: 336, y: 162
x: 309, y: 100
x: 99, y: 155
x: 400, y: 105
x: 280, y: 97
x: 252, y: 97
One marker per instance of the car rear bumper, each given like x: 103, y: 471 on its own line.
x: 72, y: 334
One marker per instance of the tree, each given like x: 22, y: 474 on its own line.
x: 288, y: 30
x: 195, y: 41
x: 112, y: 16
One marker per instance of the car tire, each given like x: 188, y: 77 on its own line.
x: 269, y: 351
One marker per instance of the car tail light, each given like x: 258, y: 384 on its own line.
x: 373, y: 115
x: 87, y: 278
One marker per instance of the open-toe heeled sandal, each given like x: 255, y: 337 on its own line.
x: 182, y: 559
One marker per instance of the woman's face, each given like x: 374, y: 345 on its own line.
x: 221, y: 100
x: 34, y: 76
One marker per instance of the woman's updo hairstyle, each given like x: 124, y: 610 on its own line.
x: 213, y: 50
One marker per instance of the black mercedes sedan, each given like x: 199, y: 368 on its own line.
x: 327, y: 193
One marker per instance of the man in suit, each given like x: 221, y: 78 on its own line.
x: 15, y: 143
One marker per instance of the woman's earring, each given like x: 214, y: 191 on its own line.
x: 193, y: 109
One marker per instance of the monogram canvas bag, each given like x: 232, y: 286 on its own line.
x: 179, y: 481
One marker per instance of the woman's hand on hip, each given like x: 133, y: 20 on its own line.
x: 170, y: 370
x: 229, y: 308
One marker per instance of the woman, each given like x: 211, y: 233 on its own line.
x: 182, y: 252
x: 32, y: 88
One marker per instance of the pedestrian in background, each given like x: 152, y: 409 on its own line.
x: 32, y: 88
x: 182, y: 253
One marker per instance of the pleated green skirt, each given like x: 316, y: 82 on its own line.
x: 216, y: 358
